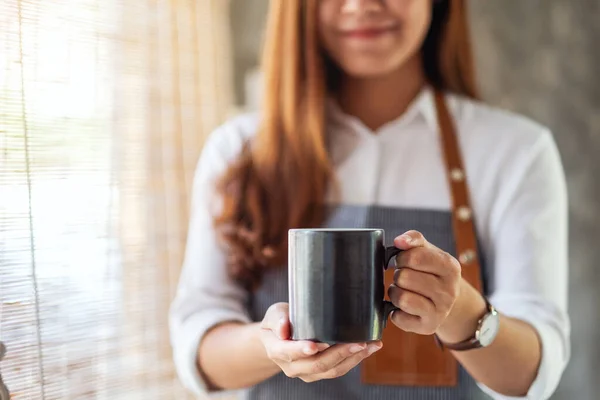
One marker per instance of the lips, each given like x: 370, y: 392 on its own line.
x: 368, y: 32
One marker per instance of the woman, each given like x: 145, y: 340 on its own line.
x: 348, y: 132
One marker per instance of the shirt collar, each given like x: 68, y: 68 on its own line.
x: 422, y: 106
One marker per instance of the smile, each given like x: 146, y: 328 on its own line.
x: 368, y: 33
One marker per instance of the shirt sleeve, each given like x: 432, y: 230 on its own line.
x: 529, y: 257
x: 205, y: 296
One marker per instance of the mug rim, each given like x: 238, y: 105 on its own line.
x: 301, y: 230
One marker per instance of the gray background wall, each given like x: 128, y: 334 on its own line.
x: 539, y: 58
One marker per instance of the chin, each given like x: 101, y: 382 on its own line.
x: 368, y: 69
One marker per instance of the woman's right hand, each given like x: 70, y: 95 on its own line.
x: 308, y: 360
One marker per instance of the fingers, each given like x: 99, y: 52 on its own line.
x: 418, y: 253
x: 431, y: 260
x: 289, y: 350
x: 426, y: 284
x: 410, y: 239
x: 305, y: 359
x: 421, y: 255
x: 275, y: 335
x: 423, y: 283
x: 411, y: 302
x: 417, y: 313
x: 345, y: 365
x: 323, y: 362
x: 406, y: 322
x: 439, y: 290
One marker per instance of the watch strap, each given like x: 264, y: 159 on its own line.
x: 468, y: 344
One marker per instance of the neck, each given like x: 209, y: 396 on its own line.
x: 378, y: 100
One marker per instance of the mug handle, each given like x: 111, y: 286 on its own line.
x: 388, y: 307
x: 390, y: 252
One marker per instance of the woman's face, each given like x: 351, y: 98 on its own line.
x: 369, y: 38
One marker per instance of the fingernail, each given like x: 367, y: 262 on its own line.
x: 309, y: 350
x: 373, y: 348
x: 407, y: 239
x: 355, y: 348
x: 322, y: 346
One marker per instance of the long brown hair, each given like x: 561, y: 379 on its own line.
x: 281, y: 178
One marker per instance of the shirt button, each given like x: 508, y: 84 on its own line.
x: 466, y: 257
x: 457, y: 175
x: 463, y: 213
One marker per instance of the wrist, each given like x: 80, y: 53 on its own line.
x: 463, y: 319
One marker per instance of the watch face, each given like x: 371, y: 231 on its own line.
x: 489, y: 329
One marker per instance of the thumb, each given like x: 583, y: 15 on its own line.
x: 409, y: 240
x: 277, y: 320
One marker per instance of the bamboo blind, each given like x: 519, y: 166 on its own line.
x: 104, y: 105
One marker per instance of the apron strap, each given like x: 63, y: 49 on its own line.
x: 463, y: 226
x: 409, y: 359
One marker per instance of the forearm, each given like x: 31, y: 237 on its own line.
x: 510, y: 364
x: 232, y: 356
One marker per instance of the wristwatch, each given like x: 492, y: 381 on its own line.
x: 487, y: 329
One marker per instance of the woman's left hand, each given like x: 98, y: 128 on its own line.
x: 426, y: 284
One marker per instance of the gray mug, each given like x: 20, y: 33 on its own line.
x: 336, y: 284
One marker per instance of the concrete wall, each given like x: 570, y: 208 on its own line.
x: 539, y: 58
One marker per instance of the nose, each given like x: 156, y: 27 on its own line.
x: 361, y: 6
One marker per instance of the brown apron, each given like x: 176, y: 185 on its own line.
x: 409, y: 359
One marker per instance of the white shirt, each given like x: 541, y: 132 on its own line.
x: 518, y: 193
